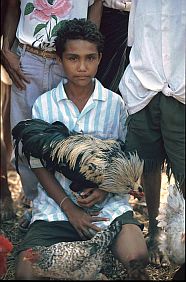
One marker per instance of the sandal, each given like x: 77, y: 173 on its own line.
x: 25, y: 220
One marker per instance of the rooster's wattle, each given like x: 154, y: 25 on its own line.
x: 86, y: 160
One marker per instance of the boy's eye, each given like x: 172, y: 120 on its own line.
x: 92, y: 58
x: 72, y: 58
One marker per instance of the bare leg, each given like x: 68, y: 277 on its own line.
x: 131, y: 250
x: 152, y: 186
x: 6, y: 90
x: 6, y: 203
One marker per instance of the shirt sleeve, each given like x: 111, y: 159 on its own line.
x: 35, y: 163
x: 36, y: 111
x: 122, y: 125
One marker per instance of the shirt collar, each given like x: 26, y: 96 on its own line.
x: 100, y: 93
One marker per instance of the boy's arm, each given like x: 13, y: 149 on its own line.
x: 51, y: 186
x: 80, y: 220
x: 95, y: 12
x: 9, y: 59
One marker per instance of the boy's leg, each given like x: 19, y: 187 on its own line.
x: 131, y: 250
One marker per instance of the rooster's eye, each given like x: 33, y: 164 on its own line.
x: 92, y: 166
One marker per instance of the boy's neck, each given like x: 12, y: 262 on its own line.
x: 79, y: 93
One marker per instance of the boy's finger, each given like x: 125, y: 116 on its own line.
x: 96, y: 218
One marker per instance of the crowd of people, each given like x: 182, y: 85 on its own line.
x: 113, y: 62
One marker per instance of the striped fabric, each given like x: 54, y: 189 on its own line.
x: 103, y: 116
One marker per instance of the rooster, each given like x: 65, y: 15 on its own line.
x: 5, y: 248
x: 79, y: 260
x: 86, y: 160
x: 171, y: 220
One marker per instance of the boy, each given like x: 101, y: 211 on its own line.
x: 82, y: 104
x: 33, y: 67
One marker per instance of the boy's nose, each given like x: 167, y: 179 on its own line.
x: 82, y: 66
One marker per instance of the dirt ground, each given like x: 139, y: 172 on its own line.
x: 112, y: 268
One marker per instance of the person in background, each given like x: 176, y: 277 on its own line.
x: 34, y: 68
x: 6, y: 202
x: 153, y: 88
x: 114, y: 27
x: 57, y: 214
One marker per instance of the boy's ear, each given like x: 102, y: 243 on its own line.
x: 58, y: 59
x: 100, y: 56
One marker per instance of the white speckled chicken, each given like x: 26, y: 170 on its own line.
x: 171, y: 219
x: 80, y: 260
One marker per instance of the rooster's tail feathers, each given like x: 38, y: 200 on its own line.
x: 36, y: 136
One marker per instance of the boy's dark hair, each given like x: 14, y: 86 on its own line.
x: 78, y: 29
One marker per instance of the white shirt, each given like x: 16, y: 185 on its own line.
x: 39, y: 20
x: 157, y: 32
x: 122, y: 5
x: 103, y: 116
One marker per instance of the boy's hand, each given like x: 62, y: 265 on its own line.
x: 91, y: 196
x: 84, y: 222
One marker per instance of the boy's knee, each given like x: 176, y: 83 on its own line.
x: 140, y: 256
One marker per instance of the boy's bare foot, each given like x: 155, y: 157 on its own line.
x: 7, y: 209
x: 156, y: 257
x: 136, y: 271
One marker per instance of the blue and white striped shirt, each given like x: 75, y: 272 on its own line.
x: 103, y: 116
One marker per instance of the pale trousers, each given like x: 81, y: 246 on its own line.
x: 44, y: 74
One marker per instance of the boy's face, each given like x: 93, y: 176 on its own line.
x: 80, y: 61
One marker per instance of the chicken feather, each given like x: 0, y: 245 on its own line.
x: 79, y: 260
x: 84, y: 159
x: 171, y: 219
